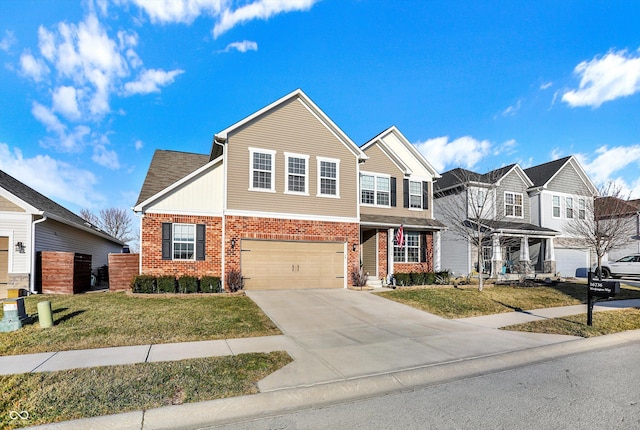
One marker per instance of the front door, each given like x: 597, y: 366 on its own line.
x: 370, y: 252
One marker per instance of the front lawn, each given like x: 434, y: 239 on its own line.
x: 467, y: 301
x: 39, y: 398
x: 97, y: 320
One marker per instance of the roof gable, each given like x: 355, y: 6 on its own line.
x: 542, y: 174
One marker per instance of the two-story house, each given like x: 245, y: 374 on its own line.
x: 562, y: 194
x: 491, y: 211
x: 276, y: 198
x: 396, y: 189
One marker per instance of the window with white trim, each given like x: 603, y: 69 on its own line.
x: 297, y: 174
x: 513, y: 204
x: 184, y: 241
x: 375, y: 190
x: 568, y: 202
x: 328, y: 173
x: 582, y: 209
x: 262, y: 170
x: 555, y: 204
x: 415, y: 195
x: 410, y: 252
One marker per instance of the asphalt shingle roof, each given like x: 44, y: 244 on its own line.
x: 168, y: 167
x: 542, y: 173
x: 458, y: 176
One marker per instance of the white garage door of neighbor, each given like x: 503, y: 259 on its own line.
x: 568, y: 260
x: 277, y: 265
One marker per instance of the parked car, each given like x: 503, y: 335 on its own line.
x: 626, y: 266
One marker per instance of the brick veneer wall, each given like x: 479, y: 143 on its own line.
x: 427, y: 266
x: 151, y: 247
x: 239, y: 228
x: 122, y: 269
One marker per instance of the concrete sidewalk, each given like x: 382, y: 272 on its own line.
x: 346, y: 345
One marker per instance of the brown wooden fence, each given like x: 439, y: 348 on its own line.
x: 122, y: 269
x: 64, y: 272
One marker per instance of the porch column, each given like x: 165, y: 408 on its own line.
x: 436, y: 251
x: 525, y: 260
x: 390, y: 236
x: 550, y: 257
x: 496, y: 256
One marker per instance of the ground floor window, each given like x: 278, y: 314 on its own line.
x: 410, y: 252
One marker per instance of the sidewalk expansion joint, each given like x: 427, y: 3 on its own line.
x: 146, y: 359
x: 40, y: 365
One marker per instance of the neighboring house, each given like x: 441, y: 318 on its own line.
x: 562, y: 193
x: 496, y: 202
x: 276, y: 198
x: 629, y: 210
x: 30, y: 223
x: 396, y: 188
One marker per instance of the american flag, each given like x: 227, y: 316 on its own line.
x: 400, y: 237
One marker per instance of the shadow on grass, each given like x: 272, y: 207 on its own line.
x: 513, y: 308
x: 68, y: 317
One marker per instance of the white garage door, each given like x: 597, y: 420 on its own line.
x: 569, y: 260
x: 277, y: 265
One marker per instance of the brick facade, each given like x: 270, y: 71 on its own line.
x: 239, y: 228
x: 151, y: 247
x: 426, y: 266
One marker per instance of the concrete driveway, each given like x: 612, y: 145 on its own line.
x: 341, y: 334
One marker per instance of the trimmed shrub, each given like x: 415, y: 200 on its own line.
x: 402, y: 279
x: 418, y: 278
x: 187, y: 284
x: 429, y: 278
x: 145, y: 284
x: 235, y: 281
x: 442, y: 277
x: 210, y: 284
x: 166, y: 284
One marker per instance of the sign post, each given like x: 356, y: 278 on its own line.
x: 599, y: 288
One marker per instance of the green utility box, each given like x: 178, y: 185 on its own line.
x: 15, y: 315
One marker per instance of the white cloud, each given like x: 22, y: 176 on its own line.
x: 150, y: 81
x: 104, y: 157
x: 65, y: 102
x: 464, y: 151
x: 180, y: 11
x: 603, y: 79
x: 261, y: 9
x: 513, y: 109
x: 7, y: 41
x: 52, y: 178
x: 608, y: 161
x: 244, y: 46
x: 546, y: 85
x: 32, y: 67
x: 62, y: 141
x: 138, y: 145
x: 47, y: 118
x: 508, y: 148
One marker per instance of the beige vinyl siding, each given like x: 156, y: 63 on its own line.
x: 17, y: 227
x: 370, y: 252
x: 378, y: 162
x: 568, y: 181
x: 201, y: 194
x: 55, y: 236
x: 290, y: 128
x: 513, y: 183
x: 8, y: 206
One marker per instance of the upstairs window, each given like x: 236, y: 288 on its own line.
x: 582, y: 211
x: 568, y: 201
x: 513, y: 205
x: 297, y: 174
x: 375, y: 190
x: 262, y: 170
x: 328, y: 170
x: 415, y: 195
x: 555, y: 206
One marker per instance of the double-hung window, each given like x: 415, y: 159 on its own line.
x: 568, y: 201
x: 513, y: 204
x: 262, y: 170
x: 410, y: 251
x: 184, y: 241
x: 297, y: 181
x: 415, y: 195
x: 375, y: 190
x: 582, y: 211
x: 328, y: 172
x: 555, y: 200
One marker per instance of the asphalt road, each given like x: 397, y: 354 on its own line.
x: 598, y: 390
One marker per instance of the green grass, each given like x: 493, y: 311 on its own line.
x: 605, y: 322
x: 118, y: 319
x: 467, y: 301
x: 80, y: 393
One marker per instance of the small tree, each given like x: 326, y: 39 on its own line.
x: 608, y: 222
x: 113, y: 221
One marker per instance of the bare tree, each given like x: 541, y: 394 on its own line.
x: 608, y: 222
x: 113, y: 221
x: 468, y: 207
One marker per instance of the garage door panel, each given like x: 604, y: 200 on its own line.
x: 292, y: 265
x: 568, y: 260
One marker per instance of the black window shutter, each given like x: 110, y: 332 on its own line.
x: 393, y: 192
x: 425, y: 195
x: 166, y: 240
x: 405, y: 192
x: 423, y: 247
x: 201, y: 230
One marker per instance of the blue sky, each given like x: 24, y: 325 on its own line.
x: 89, y: 89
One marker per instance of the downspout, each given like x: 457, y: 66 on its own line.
x: 32, y: 281
x: 219, y: 140
x: 140, y: 216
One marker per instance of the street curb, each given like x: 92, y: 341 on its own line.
x: 246, y: 408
